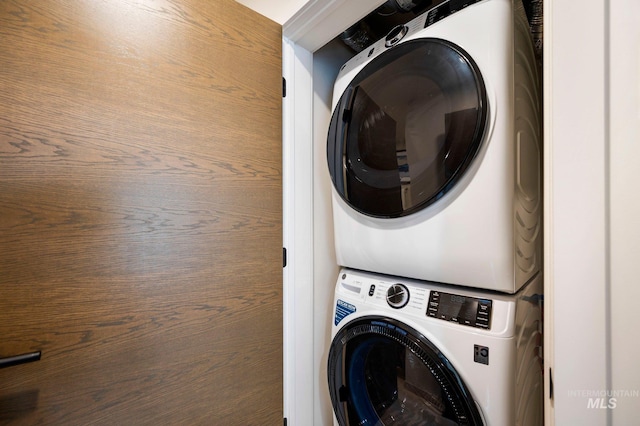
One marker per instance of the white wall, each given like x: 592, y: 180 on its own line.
x: 624, y: 204
x: 276, y: 10
x: 592, y: 92
x: 576, y: 225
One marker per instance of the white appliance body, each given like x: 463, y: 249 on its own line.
x: 481, y: 229
x: 497, y: 361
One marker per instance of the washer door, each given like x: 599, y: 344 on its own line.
x: 407, y: 128
x: 382, y: 372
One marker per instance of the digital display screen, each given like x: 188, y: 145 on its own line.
x: 445, y: 9
x: 457, y: 307
x: 437, y: 14
x: 460, y: 309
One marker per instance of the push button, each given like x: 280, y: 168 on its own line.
x: 434, y: 302
x: 481, y: 354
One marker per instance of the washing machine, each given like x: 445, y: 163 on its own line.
x: 409, y: 352
x: 434, y: 150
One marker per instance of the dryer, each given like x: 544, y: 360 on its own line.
x: 409, y: 352
x: 434, y: 150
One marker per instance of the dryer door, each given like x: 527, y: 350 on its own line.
x: 407, y: 128
x: 382, y: 372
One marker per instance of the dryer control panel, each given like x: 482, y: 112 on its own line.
x: 464, y: 310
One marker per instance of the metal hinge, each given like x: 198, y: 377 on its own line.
x: 284, y: 257
x: 284, y: 87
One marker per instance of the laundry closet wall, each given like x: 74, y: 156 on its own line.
x: 592, y: 124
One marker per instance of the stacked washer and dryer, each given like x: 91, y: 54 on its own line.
x: 434, y: 153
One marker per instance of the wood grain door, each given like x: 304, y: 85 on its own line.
x: 140, y: 213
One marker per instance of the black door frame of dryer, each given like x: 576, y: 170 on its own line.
x: 381, y: 370
x: 407, y: 128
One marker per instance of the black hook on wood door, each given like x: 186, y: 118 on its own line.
x: 19, y: 359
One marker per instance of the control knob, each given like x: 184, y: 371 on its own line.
x: 397, y: 296
x: 395, y: 35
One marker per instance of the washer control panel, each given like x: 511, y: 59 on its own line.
x: 445, y: 9
x: 464, y: 310
x: 358, y: 291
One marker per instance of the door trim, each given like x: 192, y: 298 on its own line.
x: 305, y: 388
x: 297, y: 122
x: 319, y: 22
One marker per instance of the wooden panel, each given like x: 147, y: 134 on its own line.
x: 140, y: 213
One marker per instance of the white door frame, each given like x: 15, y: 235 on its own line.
x: 317, y: 23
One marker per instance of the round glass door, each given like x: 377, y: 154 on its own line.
x: 407, y: 128
x: 382, y: 372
